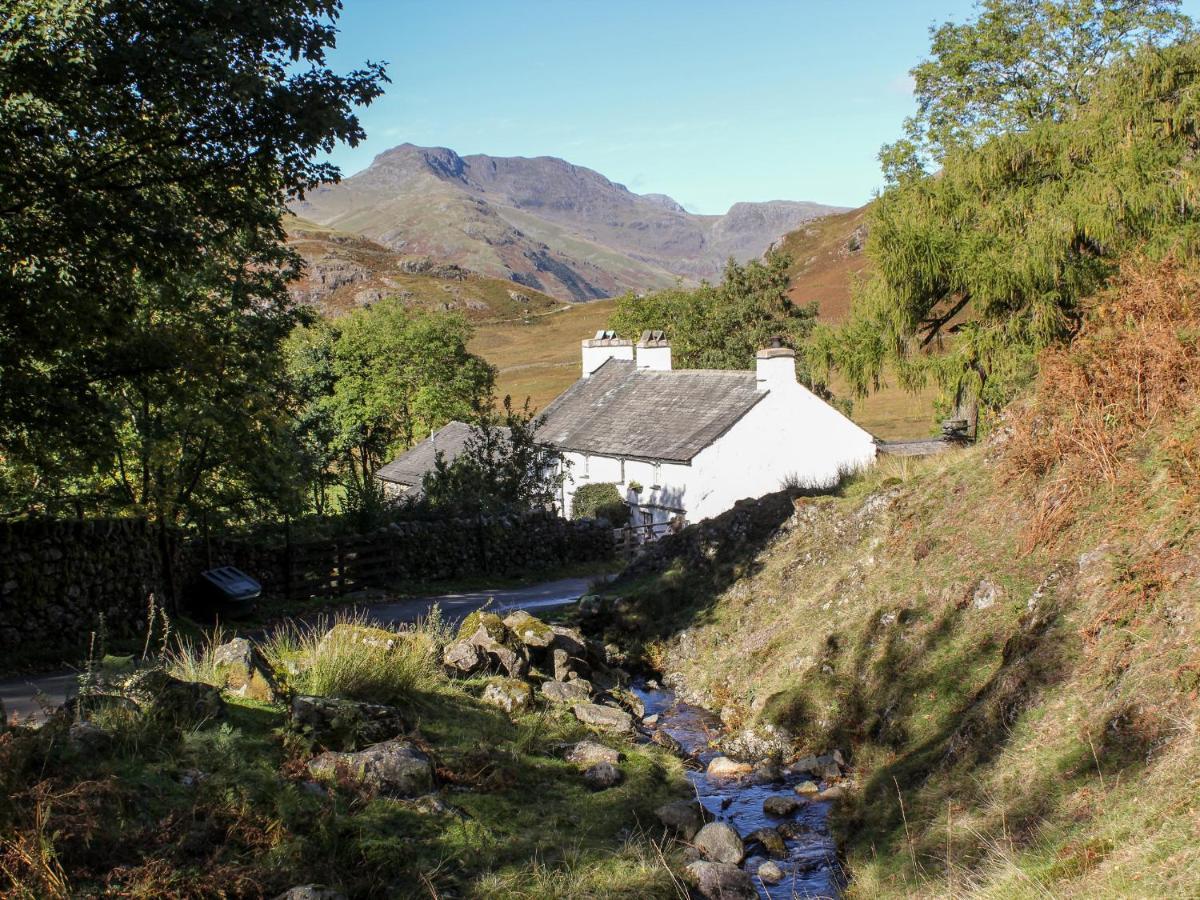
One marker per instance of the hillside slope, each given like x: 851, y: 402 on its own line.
x: 827, y: 257
x: 543, y: 222
x: 344, y: 271
x: 1003, y: 640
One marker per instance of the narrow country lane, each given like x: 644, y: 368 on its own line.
x: 29, y: 698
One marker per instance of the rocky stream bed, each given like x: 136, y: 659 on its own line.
x: 779, y: 812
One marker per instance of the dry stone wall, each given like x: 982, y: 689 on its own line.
x: 58, y: 577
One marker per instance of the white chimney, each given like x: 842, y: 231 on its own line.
x: 775, y: 366
x: 603, y: 347
x: 654, y: 351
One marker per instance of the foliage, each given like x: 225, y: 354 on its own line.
x: 722, y: 326
x: 373, y: 383
x: 148, y: 151
x: 1018, y: 63
x: 999, y: 248
x: 1134, y: 364
x: 600, y: 500
x: 502, y: 467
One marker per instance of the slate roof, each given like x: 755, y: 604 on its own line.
x: 411, y: 466
x: 625, y: 412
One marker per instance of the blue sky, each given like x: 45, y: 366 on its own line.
x: 709, y: 102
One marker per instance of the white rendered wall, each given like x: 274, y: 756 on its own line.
x: 789, y: 434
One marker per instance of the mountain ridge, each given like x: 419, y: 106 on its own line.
x: 544, y: 222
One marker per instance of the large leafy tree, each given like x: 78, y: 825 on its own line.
x: 1018, y: 63
x: 378, y: 380
x: 722, y: 326
x: 147, y: 152
x: 979, y: 267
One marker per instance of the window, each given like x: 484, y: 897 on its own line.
x: 621, y: 480
x: 587, y: 460
x: 657, y: 475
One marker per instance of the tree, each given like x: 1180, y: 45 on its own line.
x: 502, y: 468
x: 977, y: 269
x: 376, y: 381
x: 1018, y: 63
x: 722, y: 326
x: 147, y: 152
x: 600, y: 500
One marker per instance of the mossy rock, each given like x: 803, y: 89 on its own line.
x: 530, y: 630
x: 510, y: 694
x: 492, y: 625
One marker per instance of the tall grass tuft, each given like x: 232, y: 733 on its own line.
x: 351, y: 657
x: 190, y: 661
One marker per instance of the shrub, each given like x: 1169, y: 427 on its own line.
x: 601, y: 500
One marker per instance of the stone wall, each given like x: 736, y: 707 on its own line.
x: 430, y: 550
x: 58, y: 576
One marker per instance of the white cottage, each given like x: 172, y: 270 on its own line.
x: 691, y: 442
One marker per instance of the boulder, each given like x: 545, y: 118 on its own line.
x: 494, y: 639
x: 561, y: 665
x: 464, y: 657
x: 167, y: 699
x: 336, y: 724
x: 771, y: 841
x: 720, y: 881
x: 88, y: 738
x: 807, y: 788
x: 311, y: 892
x: 831, y: 793
x: 766, y: 772
x: 570, y: 640
x: 530, y: 630
x: 392, y: 767
x: 602, y: 776
x: 243, y: 671
x: 781, y: 805
x: 510, y: 694
x: 770, y: 873
x: 724, y: 767
x: 587, y: 753
x: 685, y: 817
x: 718, y: 842
x: 630, y: 701
x: 602, y: 716
x: 567, y: 691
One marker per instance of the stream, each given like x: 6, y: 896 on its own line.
x: 811, y: 869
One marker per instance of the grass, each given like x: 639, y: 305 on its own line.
x: 222, y: 808
x: 1034, y: 739
x: 348, y: 656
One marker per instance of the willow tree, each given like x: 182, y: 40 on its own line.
x: 990, y: 260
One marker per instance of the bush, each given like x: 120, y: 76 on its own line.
x: 601, y: 500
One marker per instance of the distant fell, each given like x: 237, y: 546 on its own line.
x: 827, y: 258
x: 543, y: 222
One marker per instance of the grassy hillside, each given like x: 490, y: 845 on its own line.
x: 827, y: 256
x: 538, y: 358
x: 1003, y: 640
x: 344, y: 271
